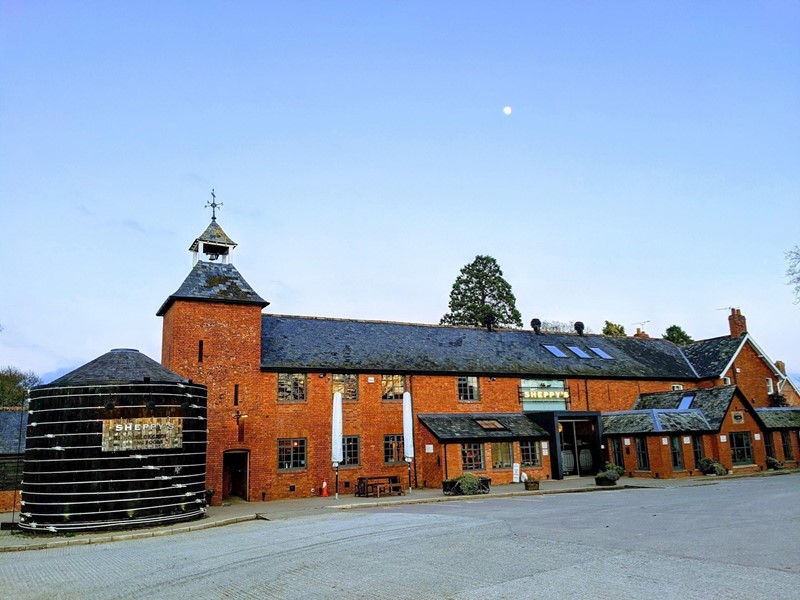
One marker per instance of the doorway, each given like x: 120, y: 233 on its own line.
x: 234, y: 473
x: 577, y: 449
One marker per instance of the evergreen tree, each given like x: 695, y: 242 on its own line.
x: 613, y: 329
x: 480, y: 294
x: 677, y: 335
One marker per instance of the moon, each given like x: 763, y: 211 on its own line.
x: 507, y: 110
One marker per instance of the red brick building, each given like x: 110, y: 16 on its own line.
x: 491, y: 402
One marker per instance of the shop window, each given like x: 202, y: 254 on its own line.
x: 393, y: 448
x: 741, y: 448
x: 468, y: 389
x: 642, y: 456
x: 347, y: 385
x: 768, y: 447
x: 502, y: 455
x: 616, y: 452
x: 531, y: 457
x: 393, y: 387
x: 350, y: 451
x: 697, y: 449
x: 291, y: 453
x: 786, y: 439
x: 472, y: 457
x: 676, y: 452
x: 291, y: 387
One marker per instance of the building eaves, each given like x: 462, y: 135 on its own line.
x: 213, y: 235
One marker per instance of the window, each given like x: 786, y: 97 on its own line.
x: 697, y: 449
x: 726, y: 381
x: 468, y: 389
x: 350, y: 446
x: 531, y: 456
x: 490, y: 425
x: 393, y: 448
x: 601, y: 353
x: 555, y: 351
x: 741, y: 449
x: 291, y: 453
x: 676, y: 452
x: 768, y: 447
x: 686, y: 402
x: 472, y: 457
x: 580, y: 353
x: 786, y: 439
x: 770, y: 386
x: 676, y: 387
x: 291, y: 387
x: 642, y: 457
x: 200, y: 351
x: 347, y: 385
x: 236, y: 394
x: 502, y: 455
x: 393, y: 387
x: 616, y: 452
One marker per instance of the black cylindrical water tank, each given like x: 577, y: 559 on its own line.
x: 115, y: 444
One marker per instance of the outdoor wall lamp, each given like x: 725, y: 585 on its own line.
x: 238, y: 416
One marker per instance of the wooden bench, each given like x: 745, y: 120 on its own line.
x: 383, y: 485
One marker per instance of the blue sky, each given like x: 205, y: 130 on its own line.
x: 649, y: 170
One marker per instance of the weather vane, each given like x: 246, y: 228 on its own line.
x: 213, y: 204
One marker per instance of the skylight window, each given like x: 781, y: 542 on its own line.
x: 579, y: 352
x: 686, y: 402
x: 555, y: 351
x: 490, y: 424
x: 601, y: 353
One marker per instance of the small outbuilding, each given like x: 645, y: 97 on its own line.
x: 118, y: 443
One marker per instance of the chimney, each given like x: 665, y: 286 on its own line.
x: 640, y: 334
x: 737, y: 322
x: 781, y: 366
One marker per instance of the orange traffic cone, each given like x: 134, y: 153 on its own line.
x: 324, y: 493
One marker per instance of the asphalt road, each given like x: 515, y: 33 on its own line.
x: 736, y: 539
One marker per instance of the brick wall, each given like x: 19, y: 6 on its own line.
x: 750, y: 373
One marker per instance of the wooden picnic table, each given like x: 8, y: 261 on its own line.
x: 379, y: 485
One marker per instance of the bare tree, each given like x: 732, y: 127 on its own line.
x: 793, y: 271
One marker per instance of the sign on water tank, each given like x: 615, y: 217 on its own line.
x: 154, y: 433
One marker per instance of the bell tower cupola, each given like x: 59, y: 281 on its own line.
x: 213, y: 244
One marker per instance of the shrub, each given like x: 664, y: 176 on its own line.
x: 774, y: 463
x: 612, y: 467
x: 709, y: 466
x: 609, y: 474
x: 469, y: 484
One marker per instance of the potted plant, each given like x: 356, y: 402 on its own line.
x: 609, y: 475
x: 709, y: 466
x: 530, y: 482
x: 773, y: 463
x: 468, y: 484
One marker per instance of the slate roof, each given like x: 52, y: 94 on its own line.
x: 214, y: 282
x: 10, y: 431
x: 312, y: 343
x: 713, y: 402
x: 461, y: 427
x: 780, y: 418
x: 118, y: 366
x: 710, y: 357
x: 654, y: 421
x: 213, y: 235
